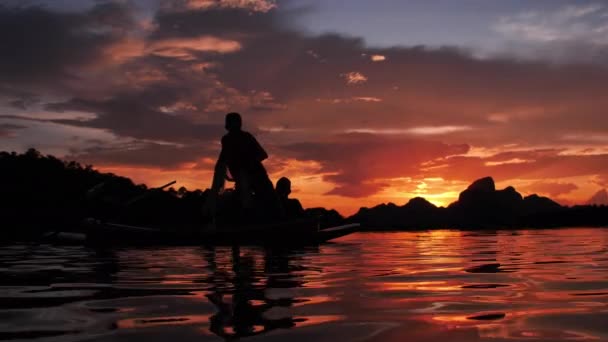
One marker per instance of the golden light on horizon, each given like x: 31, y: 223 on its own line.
x: 313, y: 189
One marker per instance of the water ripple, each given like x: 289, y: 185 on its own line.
x: 536, y: 285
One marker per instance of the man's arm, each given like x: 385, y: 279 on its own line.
x: 220, y: 171
x: 258, y: 150
x: 222, y: 156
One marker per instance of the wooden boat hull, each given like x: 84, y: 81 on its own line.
x: 284, y: 234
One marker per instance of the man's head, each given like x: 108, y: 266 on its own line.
x: 283, y: 187
x: 233, y: 122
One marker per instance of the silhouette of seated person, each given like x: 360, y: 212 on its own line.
x: 242, y: 155
x: 291, y: 206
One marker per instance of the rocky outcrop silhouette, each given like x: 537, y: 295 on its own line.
x: 599, y: 198
x: 481, y: 203
x: 535, y: 204
x: 418, y: 212
x: 481, y: 206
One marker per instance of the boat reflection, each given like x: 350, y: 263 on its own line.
x: 244, y: 297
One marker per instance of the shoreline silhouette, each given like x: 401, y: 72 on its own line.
x: 44, y: 193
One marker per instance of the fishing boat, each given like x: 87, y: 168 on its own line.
x: 289, y: 233
x: 300, y: 231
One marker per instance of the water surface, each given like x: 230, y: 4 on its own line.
x: 537, y: 285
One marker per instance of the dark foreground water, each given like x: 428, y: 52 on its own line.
x: 542, y: 285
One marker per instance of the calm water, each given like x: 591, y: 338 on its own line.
x: 543, y: 285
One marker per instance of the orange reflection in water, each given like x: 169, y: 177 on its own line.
x: 540, y: 285
x: 315, y: 300
x: 314, y: 320
x: 505, y: 284
x: 420, y: 286
x: 148, y: 322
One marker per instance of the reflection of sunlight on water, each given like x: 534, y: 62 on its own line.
x: 421, y: 286
x: 312, y: 300
x: 254, y: 329
x: 537, y: 285
x: 319, y: 319
x: 132, y: 323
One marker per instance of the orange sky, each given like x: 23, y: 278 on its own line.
x: 142, y: 92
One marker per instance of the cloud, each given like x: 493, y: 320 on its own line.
x: 52, y: 138
x: 220, y: 21
x: 567, y: 23
x: 364, y: 99
x: 423, y: 130
x: 183, y: 48
x: 354, y: 77
x: 572, y: 33
x: 421, y: 87
x: 552, y: 189
x: 252, y: 5
x: 438, y: 130
x: 9, y: 130
x: 361, y: 164
x: 533, y: 164
x: 50, y: 45
x: 137, y: 116
x: 378, y: 58
x: 601, y: 180
x: 146, y: 154
x: 224, y: 58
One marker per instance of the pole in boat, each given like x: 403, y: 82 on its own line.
x: 98, y: 189
x: 146, y: 194
x: 166, y: 185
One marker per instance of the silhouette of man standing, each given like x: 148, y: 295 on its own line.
x: 243, y: 156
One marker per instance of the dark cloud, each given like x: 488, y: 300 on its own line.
x: 39, y: 45
x: 19, y: 104
x: 139, y: 117
x: 7, y: 129
x: 295, y: 70
x: 360, y: 164
x: 232, y: 22
x: 602, y: 180
x: 502, y: 98
x: 552, y: 189
x: 17, y: 98
x: 543, y: 166
x: 146, y: 154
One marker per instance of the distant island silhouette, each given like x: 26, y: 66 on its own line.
x: 599, y: 198
x: 43, y: 193
x: 482, y: 206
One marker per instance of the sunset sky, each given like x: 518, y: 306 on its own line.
x: 359, y: 102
